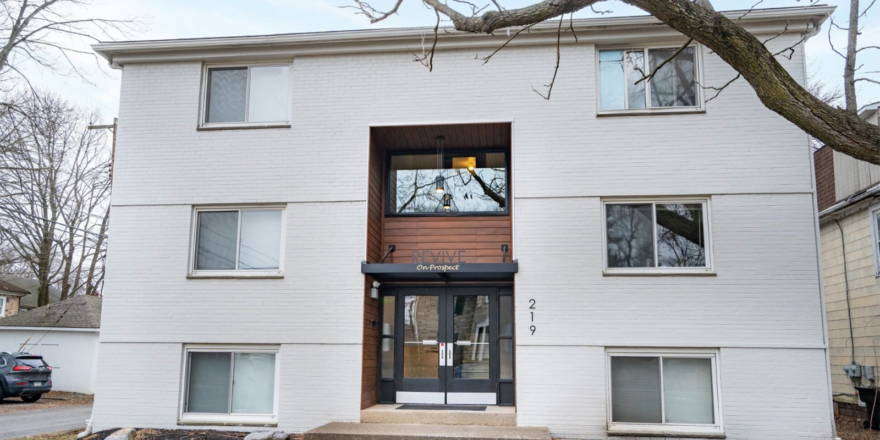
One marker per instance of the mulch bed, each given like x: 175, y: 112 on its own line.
x: 850, y: 428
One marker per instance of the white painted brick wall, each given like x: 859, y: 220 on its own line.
x: 565, y: 158
x: 140, y: 385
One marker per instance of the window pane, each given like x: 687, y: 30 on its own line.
x: 635, y: 71
x: 687, y: 385
x: 630, y: 235
x: 421, y: 322
x: 260, y: 240
x: 388, y: 315
x: 208, y: 382
x: 673, y: 85
x: 253, y: 387
x: 268, y: 96
x: 414, y: 180
x: 635, y: 390
x: 611, y: 88
x: 387, y: 358
x: 218, y: 234
x: 227, y: 92
x: 470, y: 333
x: 506, y: 354
x: 505, y: 315
x: 680, y: 240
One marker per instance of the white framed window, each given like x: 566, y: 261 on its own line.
x: 670, y: 392
x: 246, y: 95
x: 875, y: 236
x: 2, y: 306
x: 230, y: 384
x: 238, y: 241
x: 674, y: 87
x: 657, y: 236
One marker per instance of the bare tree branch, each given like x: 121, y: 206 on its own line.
x: 558, y: 59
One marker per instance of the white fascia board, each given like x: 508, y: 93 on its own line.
x: 51, y: 329
x: 615, y: 30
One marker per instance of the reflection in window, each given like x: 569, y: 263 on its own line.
x: 630, y: 235
x: 622, y: 85
x: 471, y: 182
x: 247, y: 94
x: 656, y: 235
x: 684, y: 394
x: 673, y: 85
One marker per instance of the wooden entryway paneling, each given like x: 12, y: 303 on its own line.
x: 479, y: 237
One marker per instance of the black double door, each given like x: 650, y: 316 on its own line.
x: 447, y: 345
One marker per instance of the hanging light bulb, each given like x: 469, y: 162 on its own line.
x: 439, y: 182
x: 447, y: 202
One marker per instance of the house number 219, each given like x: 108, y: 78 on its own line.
x: 532, y: 313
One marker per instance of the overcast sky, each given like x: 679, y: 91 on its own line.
x: 211, y: 18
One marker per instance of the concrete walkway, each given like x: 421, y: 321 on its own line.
x: 43, y: 421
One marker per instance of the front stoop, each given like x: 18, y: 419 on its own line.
x: 380, y: 431
x: 492, y: 416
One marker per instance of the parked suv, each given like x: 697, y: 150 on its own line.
x: 24, y: 375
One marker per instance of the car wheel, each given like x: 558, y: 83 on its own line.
x: 32, y: 398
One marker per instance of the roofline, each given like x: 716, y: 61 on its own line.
x: 408, y: 39
x: 51, y: 329
x: 850, y: 205
x: 11, y: 293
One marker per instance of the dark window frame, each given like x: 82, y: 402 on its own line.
x: 448, y: 152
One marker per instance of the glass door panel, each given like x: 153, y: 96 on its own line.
x: 421, y: 334
x: 470, y: 336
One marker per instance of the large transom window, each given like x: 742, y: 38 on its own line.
x: 246, y: 240
x: 666, y: 391
x: 231, y: 383
x: 459, y: 182
x: 247, y: 94
x: 621, y: 84
x: 668, y: 235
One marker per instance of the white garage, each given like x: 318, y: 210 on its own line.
x: 65, y: 334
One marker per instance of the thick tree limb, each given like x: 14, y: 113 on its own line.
x: 841, y: 130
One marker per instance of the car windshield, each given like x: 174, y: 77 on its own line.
x: 31, y: 361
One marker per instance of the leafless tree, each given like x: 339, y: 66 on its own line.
x: 841, y: 129
x: 45, y: 32
x: 55, y: 188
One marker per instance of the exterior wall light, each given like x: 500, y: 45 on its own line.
x: 374, y: 292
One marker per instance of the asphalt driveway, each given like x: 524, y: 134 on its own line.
x: 43, y: 421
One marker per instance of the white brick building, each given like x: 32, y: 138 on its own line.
x: 252, y: 214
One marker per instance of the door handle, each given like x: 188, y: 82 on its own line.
x: 449, y: 355
x: 442, y: 354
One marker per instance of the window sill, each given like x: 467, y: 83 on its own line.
x: 228, y: 276
x: 659, y: 273
x: 242, y: 127
x: 672, y: 433
x: 216, y: 421
x: 699, y: 111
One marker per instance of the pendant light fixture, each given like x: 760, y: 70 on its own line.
x: 447, y: 202
x: 439, y: 182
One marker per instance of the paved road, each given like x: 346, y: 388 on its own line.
x: 43, y: 421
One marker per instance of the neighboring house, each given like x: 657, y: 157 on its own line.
x: 29, y: 302
x: 65, y: 334
x: 10, y: 298
x: 848, y: 192
x: 621, y: 260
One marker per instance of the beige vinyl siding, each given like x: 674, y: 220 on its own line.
x: 864, y: 290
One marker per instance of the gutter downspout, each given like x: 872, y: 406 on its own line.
x: 819, y: 273
x: 852, y: 340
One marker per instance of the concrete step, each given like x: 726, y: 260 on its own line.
x: 381, y: 431
x: 492, y: 416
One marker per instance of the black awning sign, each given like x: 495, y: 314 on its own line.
x: 438, y: 267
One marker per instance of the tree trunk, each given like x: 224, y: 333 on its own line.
x: 849, y: 70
